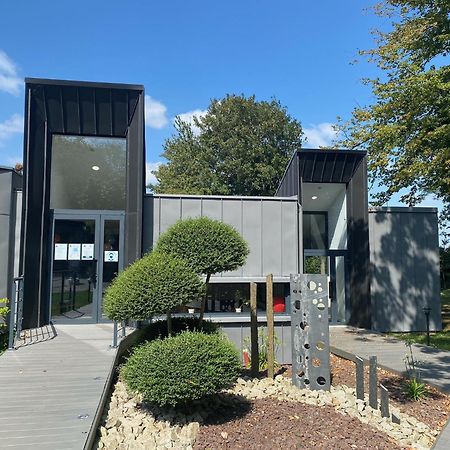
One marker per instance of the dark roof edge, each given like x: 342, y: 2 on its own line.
x: 317, y: 150
x: 332, y: 150
x: 10, y: 169
x: 294, y: 155
x: 403, y: 209
x: 91, y: 84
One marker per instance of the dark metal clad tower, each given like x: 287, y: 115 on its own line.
x: 82, y: 109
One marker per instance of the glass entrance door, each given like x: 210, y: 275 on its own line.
x: 87, y: 255
x: 333, y: 264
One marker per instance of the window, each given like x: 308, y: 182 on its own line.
x: 230, y: 297
x: 88, y: 172
x: 315, y: 231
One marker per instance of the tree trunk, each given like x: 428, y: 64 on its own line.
x: 203, y: 304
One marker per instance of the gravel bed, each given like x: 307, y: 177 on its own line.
x: 434, y: 409
x: 288, y: 414
x: 272, y: 424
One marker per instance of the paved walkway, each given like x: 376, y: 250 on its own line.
x: 390, y: 353
x: 49, y: 391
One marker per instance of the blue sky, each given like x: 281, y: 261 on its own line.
x: 186, y: 53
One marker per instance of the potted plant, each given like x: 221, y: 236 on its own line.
x: 240, y: 301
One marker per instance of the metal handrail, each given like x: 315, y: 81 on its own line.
x: 16, y: 313
x: 116, y: 330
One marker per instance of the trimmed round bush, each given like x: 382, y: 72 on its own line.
x: 183, y: 368
x: 158, y: 328
x: 209, y: 246
x: 152, y: 285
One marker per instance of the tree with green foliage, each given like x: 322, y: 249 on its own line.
x: 406, y: 131
x: 152, y: 285
x: 207, y: 245
x: 242, y: 148
x: 179, y: 369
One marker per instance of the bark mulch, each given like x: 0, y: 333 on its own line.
x: 271, y: 424
x: 433, y: 410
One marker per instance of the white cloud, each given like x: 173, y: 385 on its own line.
x: 188, y: 117
x: 155, y: 113
x: 320, y: 135
x: 10, y: 127
x: 9, y: 80
x: 149, y: 177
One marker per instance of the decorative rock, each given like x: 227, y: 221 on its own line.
x: 133, y: 425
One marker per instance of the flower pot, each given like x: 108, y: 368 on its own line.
x: 238, y: 310
x: 191, y: 310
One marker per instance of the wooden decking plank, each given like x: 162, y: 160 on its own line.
x: 45, y: 387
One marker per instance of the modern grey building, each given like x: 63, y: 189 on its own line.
x: 85, y: 215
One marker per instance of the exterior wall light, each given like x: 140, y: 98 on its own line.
x: 95, y: 168
x: 314, y: 197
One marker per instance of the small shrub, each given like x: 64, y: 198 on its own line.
x: 207, y: 245
x: 183, y: 368
x: 263, y: 349
x: 4, y: 311
x: 158, y: 328
x: 152, y: 285
x: 415, y: 389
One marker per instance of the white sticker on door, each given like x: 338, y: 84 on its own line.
x: 74, y: 252
x: 60, y: 252
x: 87, y: 252
x: 111, y: 256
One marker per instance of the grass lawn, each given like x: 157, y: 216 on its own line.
x: 440, y: 339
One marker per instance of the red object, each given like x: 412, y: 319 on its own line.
x: 246, y: 358
x: 278, y: 305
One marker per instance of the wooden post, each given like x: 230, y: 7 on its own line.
x: 270, y: 327
x: 254, y: 331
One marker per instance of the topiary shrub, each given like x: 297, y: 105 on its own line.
x: 207, y: 245
x: 183, y: 368
x: 152, y: 285
x: 158, y: 328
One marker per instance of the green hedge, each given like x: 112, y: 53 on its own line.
x: 183, y: 368
x: 150, y: 286
x: 158, y: 328
x: 209, y: 246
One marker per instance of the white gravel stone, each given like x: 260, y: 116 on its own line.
x: 128, y: 425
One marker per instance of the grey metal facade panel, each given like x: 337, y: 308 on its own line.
x: 10, y: 181
x: 95, y: 109
x: 269, y: 225
x: 239, y: 334
x: 4, y: 254
x: 404, y: 256
x: 358, y: 248
x: 5, y: 192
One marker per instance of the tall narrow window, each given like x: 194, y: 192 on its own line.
x: 315, y: 231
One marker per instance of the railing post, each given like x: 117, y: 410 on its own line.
x: 12, y: 321
x: 123, y: 329
x: 114, y: 344
x: 19, y: 306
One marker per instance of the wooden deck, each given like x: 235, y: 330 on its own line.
x: 49, y: 391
